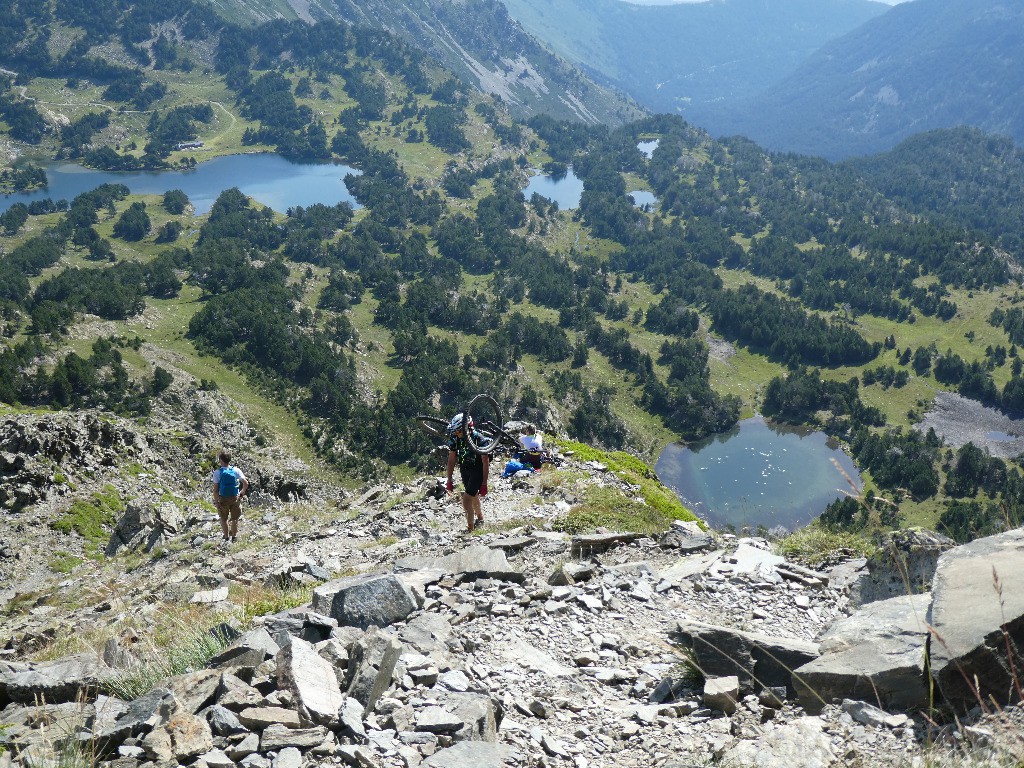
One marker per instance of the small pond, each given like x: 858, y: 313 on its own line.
x: 642, y: 197
x: 648, y: 147
x: 563, y: 189
x: 267, y: 178
x: 758, y: 474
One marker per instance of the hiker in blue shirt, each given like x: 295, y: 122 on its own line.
x: 229, y: 486
x: 473, y: 467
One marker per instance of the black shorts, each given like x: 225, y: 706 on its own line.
x: 472, y: 477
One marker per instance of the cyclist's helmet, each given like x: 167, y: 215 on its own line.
x: 456, y: 423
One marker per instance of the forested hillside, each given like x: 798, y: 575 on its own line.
x: 821, y: 294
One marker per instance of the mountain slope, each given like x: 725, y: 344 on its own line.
x: 478, y: 41
x: 688, y: 57
x: 923, y: 65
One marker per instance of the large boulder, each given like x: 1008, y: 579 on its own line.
x: 365, y: 601
x: 144, y: 525
x: 476, y: 561
x: 977, y: 616
x: 877, y: 654
x: 758, y: 660
x: 903, y: 565
x: 54, y: 681
x: 311, y: 681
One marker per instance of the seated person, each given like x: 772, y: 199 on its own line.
x: 533, y: 444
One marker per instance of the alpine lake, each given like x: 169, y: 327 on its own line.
x: 267, y: 178
x: 759, y: 474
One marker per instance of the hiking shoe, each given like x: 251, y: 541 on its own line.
x: 478, y: 523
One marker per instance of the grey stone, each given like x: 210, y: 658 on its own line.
x: 478, y: 713
x: 687, y: 537
x: 722, y: 693
x: 512, y: 543
x: 865, y: 713
x: 144, y: 525
x: 568, y: 574
x: 195, y: 690
x: 473, y: 562
x: 469, y: 755
x: 258, y: 718
x: 352, y: 718
x: 799, y: 744
x: 977, y: 612
x: 249, y: 650
x: 140, y: 717
x: 877, y: 654
x: 289, y: 757
x: 210, y: 596
x: 595, y: 543
x: 372, y: 667
x: 759, y: 661
x: 278, y: 736
x: 311, y: 681
x: 216, y: 759
x: 53, y: 681
x: 356, y: 756
x: 364, y: 601
x: 437, y: 720
x: 904, y: 564
x: 244, y: 748
x: 255, y: 761
x: 690, y: 566
x: 190, y: 735
x: 223, y: 722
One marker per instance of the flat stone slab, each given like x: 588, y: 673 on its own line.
x: 977, y: 609
x: 689, y: 566
x: 758, y: 660
x: 258, y: 718
x: 279, y: 736
x: 55, y: 681
x: 521, y: 653
x: 877, y: 654
x: 311, y: 681
x: 595, y: 543
x: 477, y: 560
x: 512, y: 543
x: 469, y: 754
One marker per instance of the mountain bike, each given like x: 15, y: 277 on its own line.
x: 487, y: 434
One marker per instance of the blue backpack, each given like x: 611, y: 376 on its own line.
x: 228, y: 486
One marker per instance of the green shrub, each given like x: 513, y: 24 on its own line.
x: 604, y: 507
x: 635, y: 472
x: 64, y: 562
x: 92, y: 519
x: 815, y: 545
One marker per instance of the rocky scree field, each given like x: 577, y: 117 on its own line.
x: 365, y: 628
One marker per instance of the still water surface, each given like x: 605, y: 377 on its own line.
x: 648, y: 147
x: 267, y: 178
x: 642, y: 197
x: 564, y: 190
x: 758, y: 474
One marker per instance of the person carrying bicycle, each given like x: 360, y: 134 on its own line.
x: 473, y: 467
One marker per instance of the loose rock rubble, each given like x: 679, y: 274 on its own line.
x: 517, y: 646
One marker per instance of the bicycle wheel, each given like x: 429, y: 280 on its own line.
x: 483, y: 409
x: 491, y: 429
x: 433, y: 425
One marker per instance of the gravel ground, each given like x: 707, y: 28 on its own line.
x: 959, y: 420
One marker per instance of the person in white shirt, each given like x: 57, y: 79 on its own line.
x: 532, y: 444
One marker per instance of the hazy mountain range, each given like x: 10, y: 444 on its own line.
x: 690, y: 58
x: 923, y: 65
